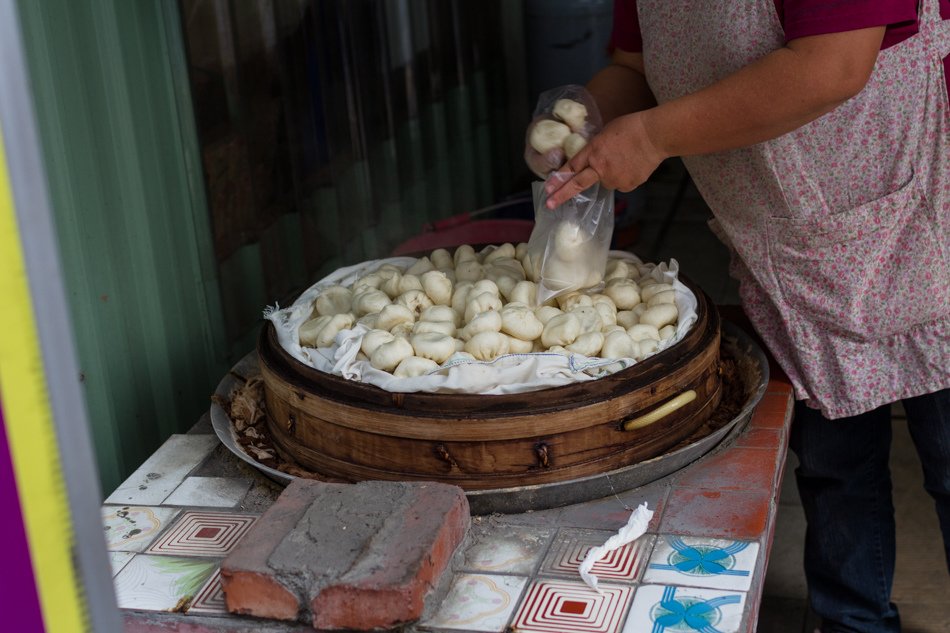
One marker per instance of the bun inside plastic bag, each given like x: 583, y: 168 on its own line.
x: 568, y: 247
x: 564, y: 120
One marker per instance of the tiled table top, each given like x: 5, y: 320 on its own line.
x: 699, y: 567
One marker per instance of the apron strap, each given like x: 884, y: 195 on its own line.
x: 942, y: 38
x: 929, y: 11
x: 933, y: 23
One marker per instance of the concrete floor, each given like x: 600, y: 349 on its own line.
x: 922, y: 584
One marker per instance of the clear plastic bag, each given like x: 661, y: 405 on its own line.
x: 564, y: 119
x: 568, y: 247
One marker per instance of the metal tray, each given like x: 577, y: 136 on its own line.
x: 754, y: 368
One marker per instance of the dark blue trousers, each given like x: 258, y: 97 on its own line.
x: 845, y: 486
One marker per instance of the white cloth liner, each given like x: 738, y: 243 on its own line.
x: 635, y: 528
x: 512, y: 373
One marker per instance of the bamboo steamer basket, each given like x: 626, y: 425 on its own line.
x: 352, y: 431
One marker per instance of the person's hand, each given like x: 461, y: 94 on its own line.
x: 541, y: 164
x: 621, y: 157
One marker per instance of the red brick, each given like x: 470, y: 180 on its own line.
x: 247, y: 581
x: 355, y: 557
x: 260, y: 595
x: 393, y: 591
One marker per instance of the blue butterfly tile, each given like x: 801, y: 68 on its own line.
x: 673, y: 609
x: 702, y: 562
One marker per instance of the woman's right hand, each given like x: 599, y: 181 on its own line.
x: 622, y: 156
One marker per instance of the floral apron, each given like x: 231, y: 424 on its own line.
x: 840, y: 230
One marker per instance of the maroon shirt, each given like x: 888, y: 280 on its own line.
x: 801, y: 18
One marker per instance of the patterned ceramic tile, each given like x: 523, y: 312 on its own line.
x: 571, y: 546
x: 132, y: 528
x: 478, y: 602
x: 211, y: 492
x: 203, y: 534
x: 508, y: 550
x: 702, y: 562
x: 210, y: 598
x: 667, y: 609
x: 161, y: 583
x: 118, y: 560
x: 161, y: 473
x: 572, y: 607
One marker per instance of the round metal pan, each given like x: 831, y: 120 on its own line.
x: 753, y: 367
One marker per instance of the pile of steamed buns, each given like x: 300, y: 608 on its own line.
x: 482, y: 305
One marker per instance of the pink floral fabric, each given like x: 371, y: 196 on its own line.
x: 840, y: 230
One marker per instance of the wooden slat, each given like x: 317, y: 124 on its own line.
x: 486, y: 454
x: 369, y: 447
x: 526, y: 420
x: 387, y: 467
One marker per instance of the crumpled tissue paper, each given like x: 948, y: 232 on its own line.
x: 635, y: 528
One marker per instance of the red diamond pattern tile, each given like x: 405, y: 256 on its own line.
x: 207, y: 532
x: 203, y: 534
x: 624, y: 563
x: 211, y: 598
x: 572, y: 607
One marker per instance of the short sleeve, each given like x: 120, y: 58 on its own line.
x: 802, y: 18
x: 626, y: 27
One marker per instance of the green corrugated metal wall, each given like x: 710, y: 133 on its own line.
x: 159, y: 313
x: 125, y: 181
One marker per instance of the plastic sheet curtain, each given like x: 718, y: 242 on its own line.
x: 331, y: 130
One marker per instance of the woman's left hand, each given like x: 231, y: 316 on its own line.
x: 621, y: 157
